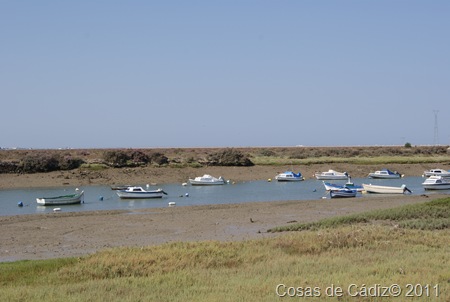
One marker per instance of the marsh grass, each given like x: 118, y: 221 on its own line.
x: 425, y: 216
x: 336, y: 252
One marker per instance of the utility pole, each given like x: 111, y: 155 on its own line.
x: 436, y: 130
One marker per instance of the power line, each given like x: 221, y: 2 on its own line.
x: 436, y: 129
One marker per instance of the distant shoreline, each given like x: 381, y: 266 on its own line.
x: 172, y: 175
x: 185, y: 163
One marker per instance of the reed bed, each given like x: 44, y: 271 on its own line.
x: 346, y: 253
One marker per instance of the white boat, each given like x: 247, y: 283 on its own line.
x: 207, y: 180
x: 385, y: 173
x: 331, y: 175
x: 289, y: 176
x: 334, y: 187
x: 140, y: 193
x: 369, y: 188
x: 343, y: 193
x: 436, y: 172
x: 75, y: 198
x: 436, y: 183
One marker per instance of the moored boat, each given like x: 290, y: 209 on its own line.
x: 140, y: 193
x: 207, y: 180
x: 369, y: 188
x: 343, y: 193
x: 75, y: 198
x: 289, y: 176
x: 334, y: 187
x: 437, y: 172
x: 331, y: 175
x: 436, y: 183
x: 385, y: 174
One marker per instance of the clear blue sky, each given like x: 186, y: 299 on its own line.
x: 101, y: 74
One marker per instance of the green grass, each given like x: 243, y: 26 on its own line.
x: 377, y: 247
x: 94, y: 167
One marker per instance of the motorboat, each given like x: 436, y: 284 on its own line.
x: 436, y: 172
x: 140, y: 193
x: 206, y: 180
x: 385, y: 173
x: 289, y: 176
x: 331, y: 175
x: 369, y: 188
x: 75, y: 198
x: 343, y: 193
x: 436, y: 183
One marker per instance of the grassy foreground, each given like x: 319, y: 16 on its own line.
x: 353, y: 258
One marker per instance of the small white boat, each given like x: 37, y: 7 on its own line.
x: 369, y: 188
x: 334, y: 187
x: 385, y: 174
x: 331, y: 175
x: 343, y: 193
x: 436, y: 172
x: 289, y: 176
x: 207, y: 180
x: 61, y: 200
x: 140, y: 193
x: 436, y: 183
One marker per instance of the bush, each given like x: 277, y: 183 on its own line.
x: 39, y: 163
x: 158, y: 158
x: 9, y: 167
x: 229, y: 157
x: 69, y: 163
x: 139, y: 157
x: 116, y: 158
x: 408, y: 145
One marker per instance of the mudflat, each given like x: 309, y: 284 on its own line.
x: 60, y: 234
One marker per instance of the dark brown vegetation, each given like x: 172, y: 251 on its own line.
x: 32, y: 161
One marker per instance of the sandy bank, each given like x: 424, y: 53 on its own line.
x: 41, y: 236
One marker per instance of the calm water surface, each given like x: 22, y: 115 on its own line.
x: 103, y: 198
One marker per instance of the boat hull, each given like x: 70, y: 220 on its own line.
x: 380, y: 176
x: 436, y: 187
x: 205, y: 183
x: 384, y: 189
x: 61, y: 200
x: 140, y: 195
x: 331, y: 177
x: 343, y: 193
x: 288, y: 179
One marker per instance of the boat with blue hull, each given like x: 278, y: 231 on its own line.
x: 343, y: 193
x: 289, y: 176
x: 349, y: 184
x: 385, y: 174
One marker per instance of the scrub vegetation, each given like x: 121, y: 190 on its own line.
x: 33, y: 161
x: 408, y: 246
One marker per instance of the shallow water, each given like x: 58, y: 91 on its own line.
x: 103, y: 198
